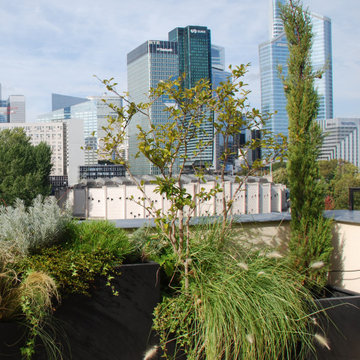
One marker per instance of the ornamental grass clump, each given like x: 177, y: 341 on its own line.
x: 239, y: 305
x: 28, y: 298
x: 9, y: 282
x: 92, y: 236
x: 37, y: 295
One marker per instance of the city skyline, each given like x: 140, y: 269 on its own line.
x: 59, y: 47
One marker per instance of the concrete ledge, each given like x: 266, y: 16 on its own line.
x: 345, y: 216
x: 238, y: 219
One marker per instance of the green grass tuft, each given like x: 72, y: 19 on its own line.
x: 240, y: 305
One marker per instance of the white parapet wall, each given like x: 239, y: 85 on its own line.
x: 121, y: 199
x: 345, y: 270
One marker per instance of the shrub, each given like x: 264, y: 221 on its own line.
x: 29, y: 229
x: 153, y: 245
x: 74, y: 271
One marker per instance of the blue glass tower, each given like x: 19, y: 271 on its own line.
x: 273, y: 55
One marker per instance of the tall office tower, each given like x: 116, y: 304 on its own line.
x: 188, y: 52
x: 84, y: 128
x: 276, y: 24
x: 194, y: 47
x: 13, y: 109
x: 59, y: 101
x: 3, y: 111
x: 274, y: 54
x: 147, y: 65
x: 3, y: 108
x: 218, y: 73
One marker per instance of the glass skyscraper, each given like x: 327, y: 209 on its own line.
x: 194, y: 47
x: 147, y: 65
x: 273, y: 55
x: 187, y: 51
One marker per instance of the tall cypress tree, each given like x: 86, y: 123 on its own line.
x: 310, y: 242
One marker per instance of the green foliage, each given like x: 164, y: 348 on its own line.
x: 28, y: 229
x: 339, y: 176
x: 74, y: 271
x: 24, y: 168
x: 155, y: 247
x: 90, y: 236
x: 38, y: 292
x: 341, y: 190
x: 310, y: 252
x: 173, y: 146
x: 93, y: 248
x: 239, y: 305
x: 307, y: 193
x: 328, y: 169
x: 33, y: 270
x: 28, y: 297
x: 9, y: 283
x: 280, y: 176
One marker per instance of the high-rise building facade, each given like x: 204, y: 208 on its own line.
x: 219, y: 75
x: 341, y: 140
x: 147, y: 65
x: 195, y: 55
x: 53, y: 134
x: 188, y: 52
x: 273, y: 56
x: 194, y: 49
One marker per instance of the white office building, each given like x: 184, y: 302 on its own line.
x: 53, y: 134
x: 341, y: 139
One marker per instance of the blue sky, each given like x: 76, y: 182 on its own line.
x: 57, y: 46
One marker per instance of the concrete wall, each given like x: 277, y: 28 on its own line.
x: 346, y: 256
x: 345, y: 262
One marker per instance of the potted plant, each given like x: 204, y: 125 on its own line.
x: 64, y: 287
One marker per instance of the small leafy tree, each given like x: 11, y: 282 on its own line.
x: 310, y: 241
x: 24, y: 168
x: 166, y: 147
x: 234, y: 116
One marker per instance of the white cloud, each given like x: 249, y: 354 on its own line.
x: 52, y: 46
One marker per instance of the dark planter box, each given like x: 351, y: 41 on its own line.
x: 341, y: 325
x: 103, y: 326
